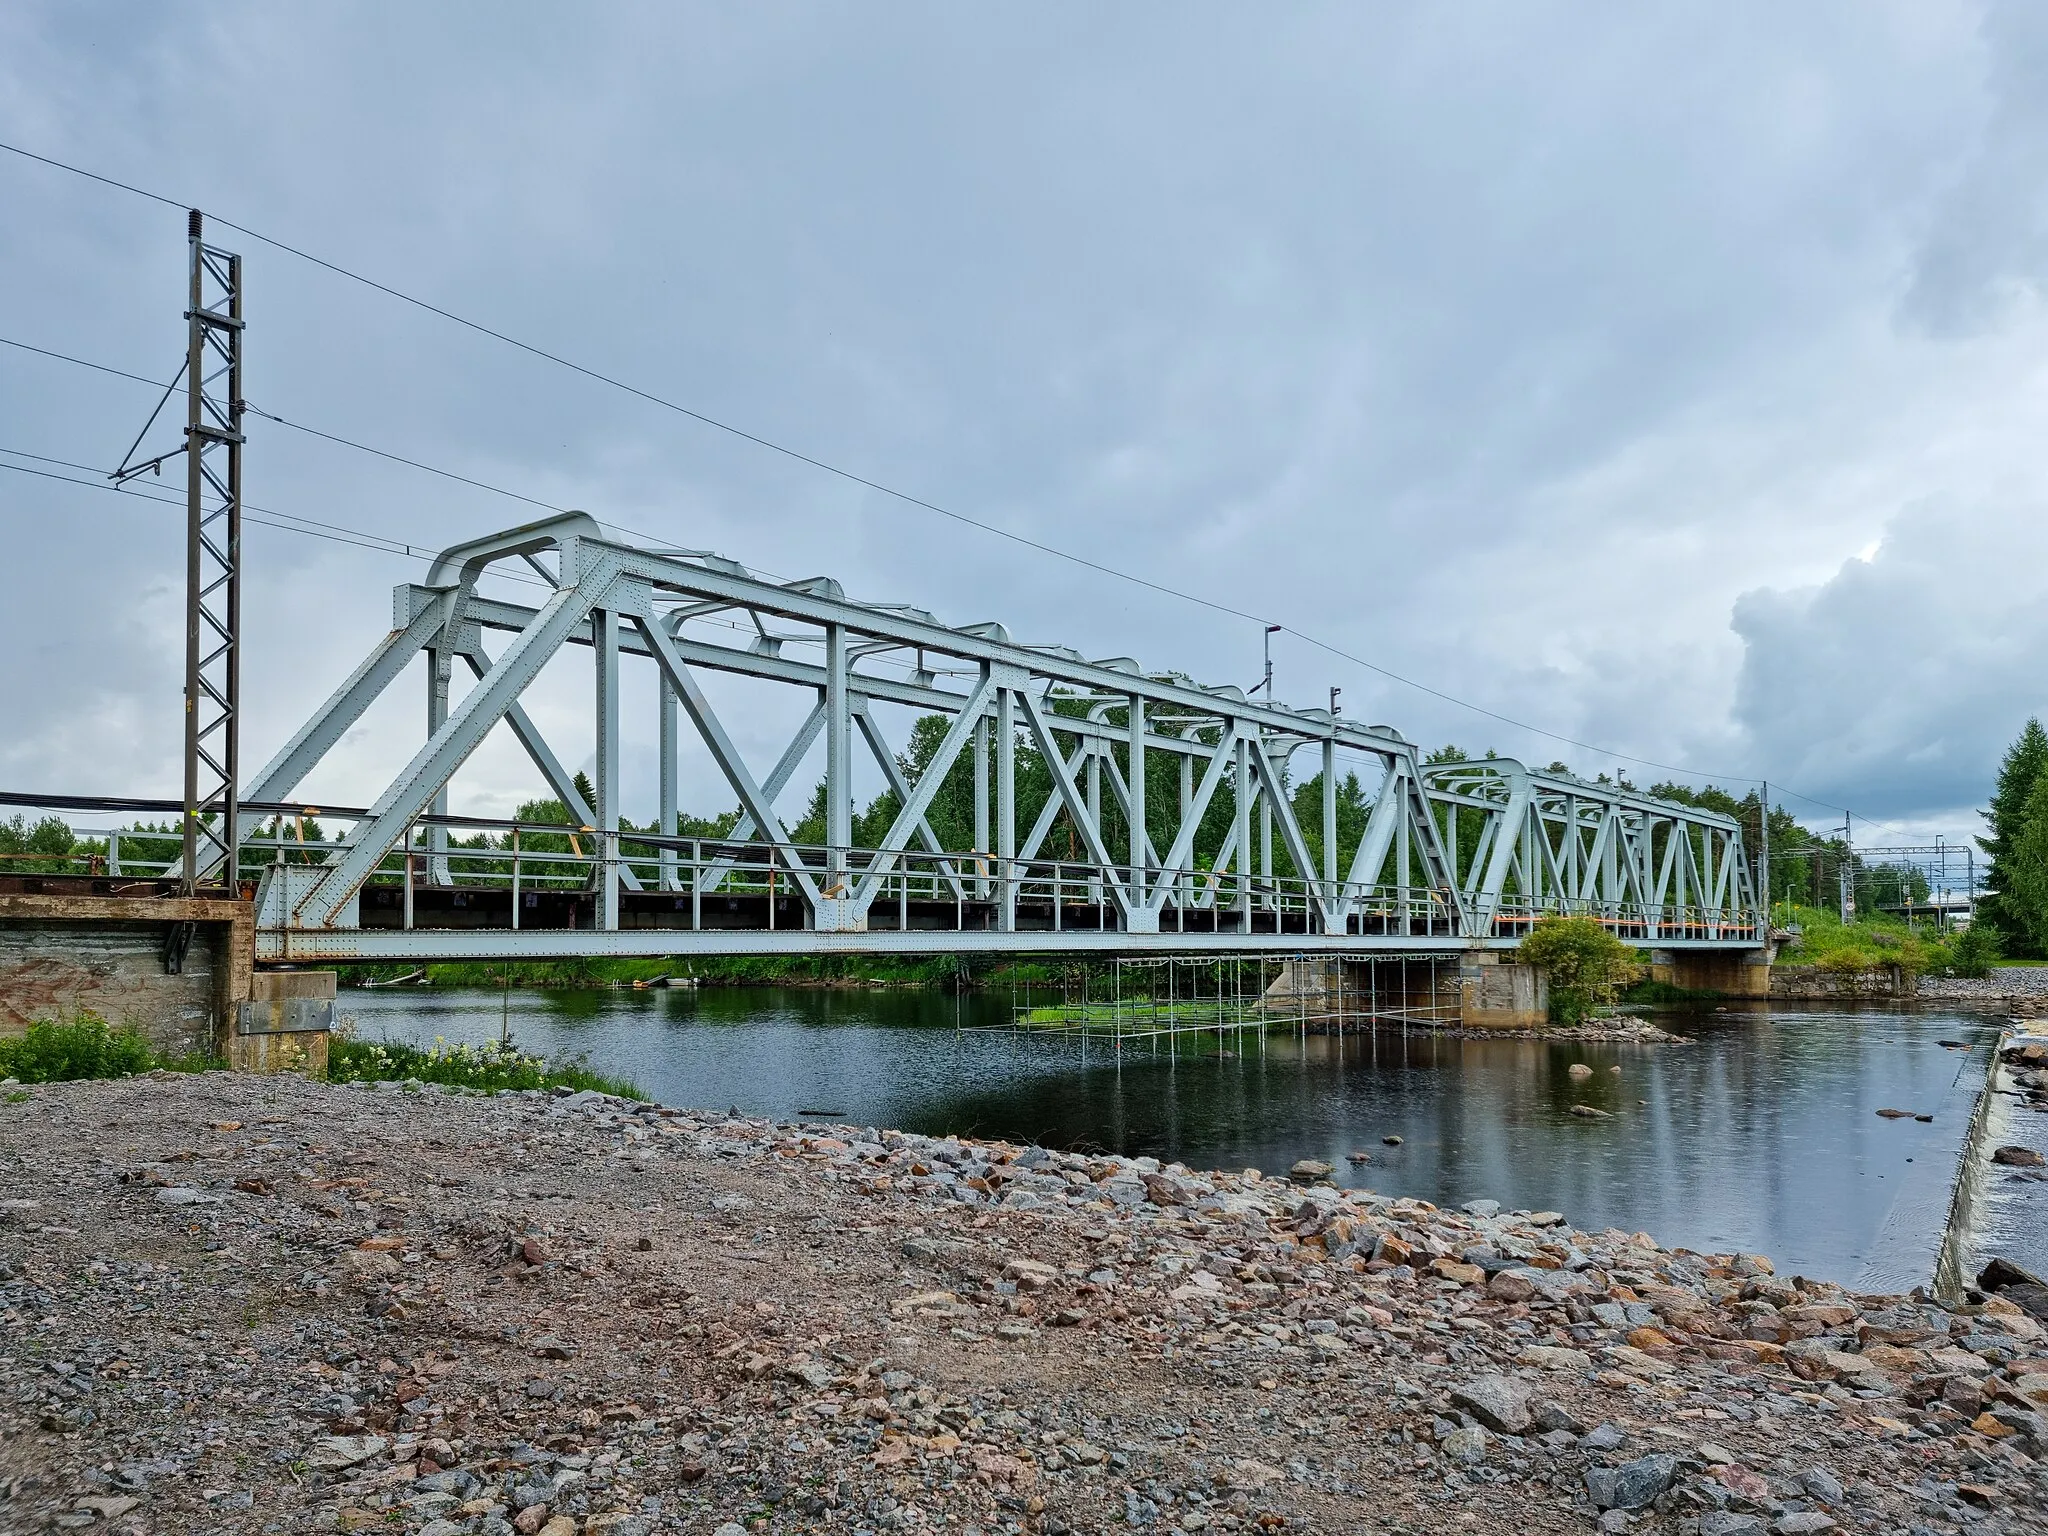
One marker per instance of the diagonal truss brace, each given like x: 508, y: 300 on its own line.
x: 692, y: 697
x: 449, y: 747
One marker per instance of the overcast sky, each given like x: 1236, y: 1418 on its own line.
x: 1671, y: 378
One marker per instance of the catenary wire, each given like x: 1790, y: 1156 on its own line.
x: 1309, y: 639
x: 334, y: 533
x: 906, y: 497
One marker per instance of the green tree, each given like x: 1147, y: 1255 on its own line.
x: 1354, y: 809
x: 1975, y: 950
x: 1585, y: 963
x: 2022, y: 909
x: 38, y: 848
x: 2007, y: 819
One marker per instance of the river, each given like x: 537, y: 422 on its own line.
x: 1763, y: 1136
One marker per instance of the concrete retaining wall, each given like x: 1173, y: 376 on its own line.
x: 64, y: 955
x: 1809, y: 983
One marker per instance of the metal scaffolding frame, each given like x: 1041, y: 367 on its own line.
x: 1657, y: 871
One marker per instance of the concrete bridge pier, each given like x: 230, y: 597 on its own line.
x: 1733, y: 973
x: 1495, y: 992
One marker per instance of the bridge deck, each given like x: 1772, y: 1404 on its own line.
x: 421, y: 921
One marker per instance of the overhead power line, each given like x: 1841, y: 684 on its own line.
x: 312, y: 528
x: 855, y: 478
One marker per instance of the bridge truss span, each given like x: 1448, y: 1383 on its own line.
x: 1113, y: 808
x: 1528, y: 843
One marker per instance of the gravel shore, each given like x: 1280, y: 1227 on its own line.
x: 235, y: 1304
x: 2020, y: 989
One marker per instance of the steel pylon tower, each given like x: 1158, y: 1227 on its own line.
x: 213, y: 559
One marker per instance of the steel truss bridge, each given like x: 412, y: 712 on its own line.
x: 1451, y: 856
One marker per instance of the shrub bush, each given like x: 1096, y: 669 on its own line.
x: 1587, y: 966
x: 67, y: 1051
x: 495, y: 1066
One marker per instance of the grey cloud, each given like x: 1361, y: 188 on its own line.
x: 1506, y: 346
x: 1896, y: 684
x: 1987, y: 248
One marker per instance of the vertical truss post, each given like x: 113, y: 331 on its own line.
x: 604, y: 627
x: 1006, y: 807
x: 668, y: 826
x: 213, y: 560
x: 981, y: 834
x: 1094, y: 793
x: 1404, y: 836
x: 1242, y: 811
x: 440, y: 673
x: 1266, y: 892
x: 838, y: 763
x: 1329, y: 821
x: 1184, y: 884
x: 1136, y: 883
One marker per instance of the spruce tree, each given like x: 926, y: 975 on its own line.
x: 2023, y: 897
x: 2007, y: 820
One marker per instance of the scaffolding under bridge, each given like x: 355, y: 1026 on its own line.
x: 1202, y: 1004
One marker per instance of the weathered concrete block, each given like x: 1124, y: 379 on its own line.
x: 66, y: 954
x: 1501, y: 994
x: 285, y: 1024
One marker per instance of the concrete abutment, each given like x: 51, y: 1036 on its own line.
x: 179, y: 970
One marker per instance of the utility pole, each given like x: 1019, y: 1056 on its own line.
x: 1335, y: 694
x: 1266, y: 682
x: 213, y: 561
x: 1848, y: 852
x: 1764, y: 856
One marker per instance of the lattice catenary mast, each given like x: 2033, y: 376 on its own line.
x: 213, y: 559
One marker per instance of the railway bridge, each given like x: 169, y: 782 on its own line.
x: 1094, y: 786
x: 1115, y: 809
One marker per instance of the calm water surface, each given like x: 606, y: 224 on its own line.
x: 1763, y: 1136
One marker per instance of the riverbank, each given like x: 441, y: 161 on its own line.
x: 234, y: 1304
x: 2020, y: 990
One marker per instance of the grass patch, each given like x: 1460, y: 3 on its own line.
x: 492, y: 1067
x: 84, y: 1047
x: 1879, y: 941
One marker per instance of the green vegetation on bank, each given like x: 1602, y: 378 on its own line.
x: 1651, y: 993
x: 2016, y: 824
x: 729, y: 971
x: 86, y: 1046
x: 492, y: 1067
x: 1880, y: 941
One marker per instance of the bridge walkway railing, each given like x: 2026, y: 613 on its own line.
x: 545, y: 876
